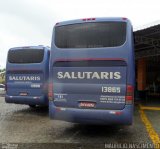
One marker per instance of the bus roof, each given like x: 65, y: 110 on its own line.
x: 84, y: 20
x: 31, y: 47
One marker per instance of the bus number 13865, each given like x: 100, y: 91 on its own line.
x: 111, y: 89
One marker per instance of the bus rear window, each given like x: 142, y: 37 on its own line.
x: 90, y: 35
x: 26, y: 56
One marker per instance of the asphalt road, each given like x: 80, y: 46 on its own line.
x: 23, y: 127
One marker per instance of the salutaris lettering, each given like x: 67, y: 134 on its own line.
x: 88, y: 75
x: 24, y: 78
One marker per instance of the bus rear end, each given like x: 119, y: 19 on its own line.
x: 27, y: 76
x: 92, y: 71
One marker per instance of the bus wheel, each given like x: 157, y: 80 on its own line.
x: 32, y: 106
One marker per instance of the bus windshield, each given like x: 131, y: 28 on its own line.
x: 90, y: 35
x: 26, y: 56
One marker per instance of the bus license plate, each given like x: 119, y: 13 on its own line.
x: 23, y: 94
x: 87, y: 104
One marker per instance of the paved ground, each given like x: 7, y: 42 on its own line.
x: 21, y: 124
x: 154, y: 117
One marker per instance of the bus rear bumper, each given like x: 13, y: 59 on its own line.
x: 92, y: 116
x: 29, y: 100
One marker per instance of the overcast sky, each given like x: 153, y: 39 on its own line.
x: 30, y: 22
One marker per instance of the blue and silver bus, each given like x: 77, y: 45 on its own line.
x: 27, y: 73
x: 92, y: 71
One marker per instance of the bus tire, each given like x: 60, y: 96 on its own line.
x: 32, y: 106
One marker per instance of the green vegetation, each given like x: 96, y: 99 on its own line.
x: 2, y: 81
x: 2, y: 76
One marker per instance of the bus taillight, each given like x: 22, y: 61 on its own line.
x: 129, y: 94
x: 50, y: 91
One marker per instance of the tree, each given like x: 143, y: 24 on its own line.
x: 2, y: 75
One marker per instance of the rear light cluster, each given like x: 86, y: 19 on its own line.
x: 124, y: 18
x: 50, y: 91
x: 130, y: 94
x: 88, y: 19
